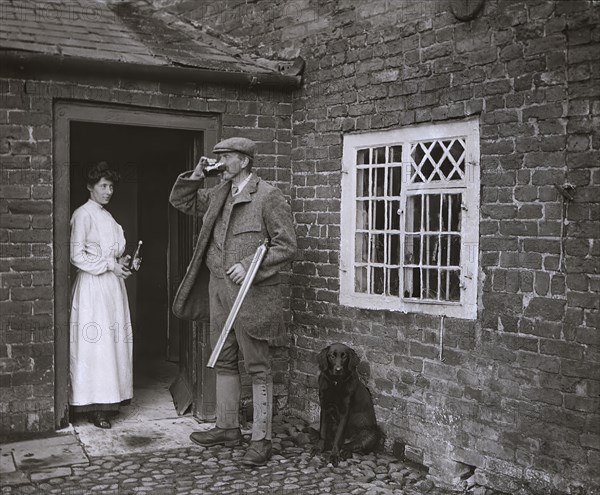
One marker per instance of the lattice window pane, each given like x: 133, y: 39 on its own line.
x: 434, y: 161
x: 457, y: 151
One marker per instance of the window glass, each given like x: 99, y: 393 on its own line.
x: 414, y: 213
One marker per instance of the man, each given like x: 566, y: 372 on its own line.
x: 237, y: 216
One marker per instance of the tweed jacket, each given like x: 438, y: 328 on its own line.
x: 259, y: 212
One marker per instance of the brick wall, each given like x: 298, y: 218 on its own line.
x: 26, y: 237
x: 517, y: 395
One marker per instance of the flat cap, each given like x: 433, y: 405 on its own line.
x: 237, y: 144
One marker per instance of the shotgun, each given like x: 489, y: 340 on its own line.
x: 235, y: 309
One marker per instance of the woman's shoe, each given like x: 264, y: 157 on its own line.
x: 100, y: 420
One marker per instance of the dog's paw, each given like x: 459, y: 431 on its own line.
x: 318, y: 448
x: 345, y: 453
x: 334, y: 457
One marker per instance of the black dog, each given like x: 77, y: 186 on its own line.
x: 348, y: 421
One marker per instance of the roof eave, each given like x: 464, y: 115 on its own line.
x: 31, y: 62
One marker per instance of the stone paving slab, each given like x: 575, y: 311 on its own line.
x: 138, y: 436
x: 35, y: 455
x: 7, y: 463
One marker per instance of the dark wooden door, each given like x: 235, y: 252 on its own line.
x: 195, y: 385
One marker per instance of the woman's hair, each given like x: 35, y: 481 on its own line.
x: 101, y: 171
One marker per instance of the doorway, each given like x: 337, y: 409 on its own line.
x: 148, y: 161
x: 149, y: 149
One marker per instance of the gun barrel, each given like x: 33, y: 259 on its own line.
x: 259, y: 255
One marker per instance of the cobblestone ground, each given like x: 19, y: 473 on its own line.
x: 216, y: 470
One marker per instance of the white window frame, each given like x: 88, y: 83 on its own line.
x: 469, y: 187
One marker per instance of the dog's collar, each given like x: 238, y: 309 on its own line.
x: 341, y: 380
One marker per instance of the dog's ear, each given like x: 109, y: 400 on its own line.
x: 354, y: 359
x: 322, y: 359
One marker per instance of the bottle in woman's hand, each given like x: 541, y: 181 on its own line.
x: 134, y: 262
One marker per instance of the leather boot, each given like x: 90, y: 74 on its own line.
x: 258, y: 453
x: 260, y: 448
x: 227, y: 431
x: 217, y: 436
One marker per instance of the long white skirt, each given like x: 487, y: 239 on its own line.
x: 101, y: 355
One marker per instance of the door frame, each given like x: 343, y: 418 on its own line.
x: 64, y: 113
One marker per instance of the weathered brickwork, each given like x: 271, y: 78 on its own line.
x: 516, y: 397
x: 26, y: 270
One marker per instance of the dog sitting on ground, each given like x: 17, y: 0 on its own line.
x: 347, y: 422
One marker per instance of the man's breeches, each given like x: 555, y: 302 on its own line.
x: 254, y: 351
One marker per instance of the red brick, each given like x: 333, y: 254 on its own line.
x: 31, y: 293
x: 520, y: 260
x: 579, y: 369
x: 583, y: 159
x: 30, y: 207
x: 584, y: 404
x: 540, y: 245
x: 552, y: 309
x: 583, y: 300
x: 542, y: 395
x: 15, y: 221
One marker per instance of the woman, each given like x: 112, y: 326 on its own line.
x: 101, y: 336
